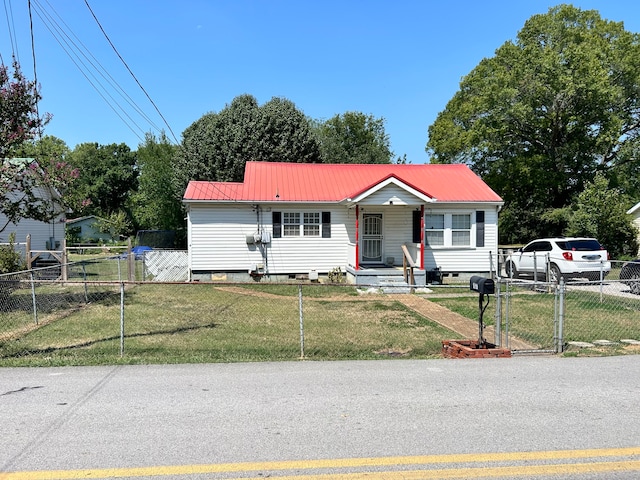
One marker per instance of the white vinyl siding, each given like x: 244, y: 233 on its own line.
x: 217, y: 240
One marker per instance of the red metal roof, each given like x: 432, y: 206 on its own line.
x: 321, y: 182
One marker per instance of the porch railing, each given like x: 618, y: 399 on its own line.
x: 408, y: 264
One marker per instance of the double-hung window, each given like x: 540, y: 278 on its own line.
x: 461, y: 230
x: 301, y: 224
x: 449, y: 230
x: 291, y: 224
x: 311, y: 226
x: 434, y: 229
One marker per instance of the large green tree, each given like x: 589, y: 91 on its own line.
x: 600, y: 212
x: 156, y: 206
x: 217, y: 146
x: 542, y: 116
x: 108, y: 176
x: 354, y: 137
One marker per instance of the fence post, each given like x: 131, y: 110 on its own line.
x: 122, y: 319
x: 506, y: 314
x: 33, y: 298
x: 560, y: 344
x: 498, y: 319
x: 301, y: 322
x: 84, y: 278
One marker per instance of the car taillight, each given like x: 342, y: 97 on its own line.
x: 567, y: 256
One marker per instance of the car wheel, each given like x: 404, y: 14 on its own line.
x: 554, y: 273
x: 511, y: 270
x: 634, y: 284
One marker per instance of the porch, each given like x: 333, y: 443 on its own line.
x: 392, y: 278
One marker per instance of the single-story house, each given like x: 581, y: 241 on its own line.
x: 44, y: 235
x: 288, y: 220
x: 635, y: 215
x: 86, y: 229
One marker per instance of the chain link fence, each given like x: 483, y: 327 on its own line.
x: 570, y: 315
x: 98, y: 316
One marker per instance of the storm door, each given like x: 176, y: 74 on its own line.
x: 371, y: 238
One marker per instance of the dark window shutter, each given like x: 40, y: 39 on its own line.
x: 277, y: 224
x: 417, y: 224
x: 480, y: 228
x: 326, y: 224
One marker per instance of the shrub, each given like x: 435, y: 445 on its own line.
x: 10, y: 259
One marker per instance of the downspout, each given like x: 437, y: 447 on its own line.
x: 421, y: 237
x: 357, y: 238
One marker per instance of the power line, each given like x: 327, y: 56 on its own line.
x: 129, y: 70
x: 8, y: 12
x: 35, y: 72
x: 87, y: 69
x: 104, y: 73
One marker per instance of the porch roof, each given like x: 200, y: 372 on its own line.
x: 333, y: 183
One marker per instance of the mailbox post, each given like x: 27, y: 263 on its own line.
x: 484, y: 286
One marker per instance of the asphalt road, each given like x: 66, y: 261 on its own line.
x: 526, y: 417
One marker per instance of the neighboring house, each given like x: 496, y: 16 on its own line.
x: 635, y: 215
x: 85, y: 230
x: 290, y: 219
x: 44, y: 235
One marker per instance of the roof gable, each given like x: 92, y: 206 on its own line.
x: 332, y: 183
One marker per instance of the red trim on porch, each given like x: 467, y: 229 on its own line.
x: 422, y: 237
x: 357, y: 237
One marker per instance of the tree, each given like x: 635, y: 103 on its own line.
x: 19, y: 120
x: 25, y: 181
x: 601, y: 213
x: 156, y: 206
x: 217, y: 146
x: 541, y: 117
x: 108, y: 176
x: 354, y: 137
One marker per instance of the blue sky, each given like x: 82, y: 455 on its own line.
x: 400, y: 60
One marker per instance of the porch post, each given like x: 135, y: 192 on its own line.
x: 422, y: 237
x: 357, y: 238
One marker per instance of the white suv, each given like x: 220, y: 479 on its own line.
x: 560, y: 257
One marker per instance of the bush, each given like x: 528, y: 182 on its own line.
x: 10, y: 259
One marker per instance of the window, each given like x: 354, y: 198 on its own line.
x: 312, y: 224
x: 291, y: 224
x: 434, y: 229
x: 460, y: 230
x: 454, y: 230
x: 297, y: 224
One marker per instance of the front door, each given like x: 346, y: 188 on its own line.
x: 371, y: 238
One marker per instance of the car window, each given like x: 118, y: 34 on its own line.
x: 538, y: 247
x: 580, y: 245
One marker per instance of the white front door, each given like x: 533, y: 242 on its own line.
x: 371, y: 238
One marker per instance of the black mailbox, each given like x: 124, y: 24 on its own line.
x: 482, y: 285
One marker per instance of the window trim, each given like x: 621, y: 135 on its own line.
x: 476, y: 231
x: 279, y: 223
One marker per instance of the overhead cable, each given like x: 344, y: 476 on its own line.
x: 129, y: 70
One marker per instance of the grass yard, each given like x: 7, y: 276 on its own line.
x: 189, y: 323
x: 587, y: 316
x: 204, y: 322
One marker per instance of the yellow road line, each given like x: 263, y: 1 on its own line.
x: 360, y: 463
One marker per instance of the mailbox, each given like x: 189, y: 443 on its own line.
x: 481, y: 285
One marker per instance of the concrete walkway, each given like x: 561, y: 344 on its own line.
x: 466, y: 328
